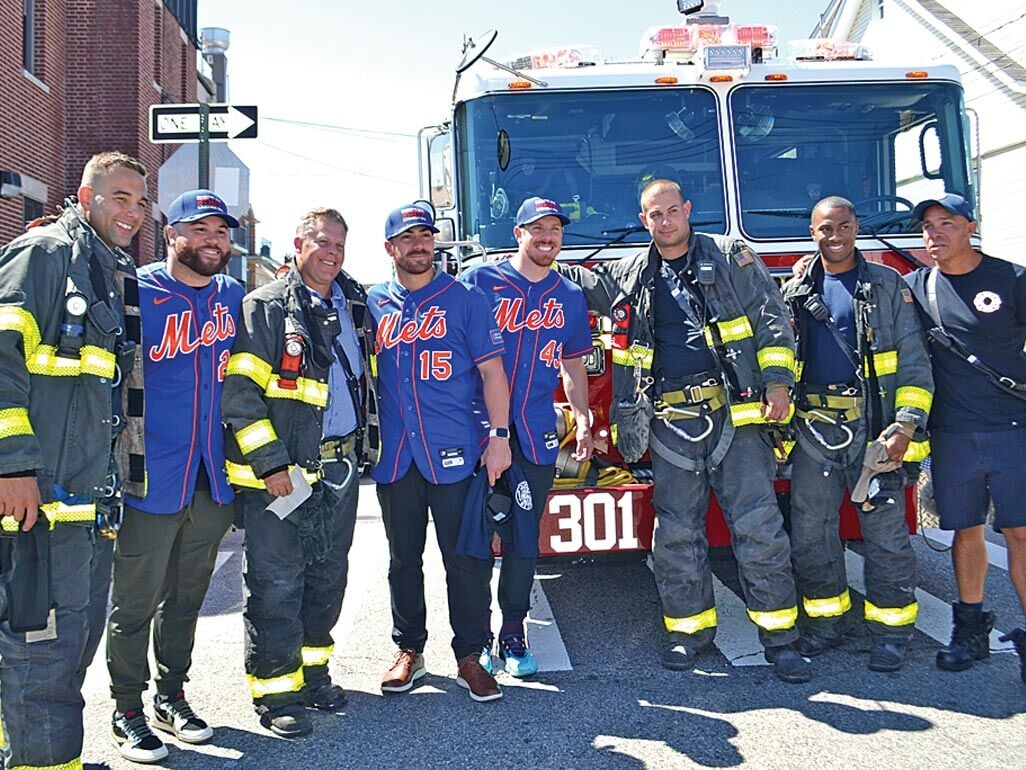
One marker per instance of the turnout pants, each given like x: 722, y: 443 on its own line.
x: 819, y: 478
x: 291, y: 606
x: 162, y: 570
x: 404, y: 510
x: 743, y: 482
x: 41, y: 673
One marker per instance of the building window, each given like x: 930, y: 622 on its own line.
x: 28, y: 36
x: 33, y: 209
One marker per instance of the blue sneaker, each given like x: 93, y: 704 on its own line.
x: 485, y: 658
x: 519, y: 660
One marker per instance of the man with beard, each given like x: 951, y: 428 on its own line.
x: 543, y: 318
x: 168, y: 541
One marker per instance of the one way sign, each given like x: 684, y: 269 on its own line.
x: 180, y: 123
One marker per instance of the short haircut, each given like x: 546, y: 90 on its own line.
x: 105, y: 162
x: 308, y: 224
x: 658, y: 186
x: 835, y: 202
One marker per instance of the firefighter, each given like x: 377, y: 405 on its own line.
x: 71, y: 437
x: 293, y: 406
x: 863, y: 375
x: 703, y: 360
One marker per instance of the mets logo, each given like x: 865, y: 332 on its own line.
x: 392, y: 331
x: 510, y: 316
x: 181, y: 336
x: 542, y: 204
x: 208, y: 202
x: 413, y: 213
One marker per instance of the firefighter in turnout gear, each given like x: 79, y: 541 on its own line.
x: 293, y: 405
x: 863, y: 376
x: 71, y: 437
x: 703, y: 361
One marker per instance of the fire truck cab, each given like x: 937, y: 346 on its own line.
x: 754, y: 141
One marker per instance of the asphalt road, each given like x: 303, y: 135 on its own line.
x: 604, y: 701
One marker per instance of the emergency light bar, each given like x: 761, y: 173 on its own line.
x: 557, y: 58
x: 824, y: 49
x: 682, y: 43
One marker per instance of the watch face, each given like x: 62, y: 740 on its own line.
x: 76, y: 304
x: 294, y: 347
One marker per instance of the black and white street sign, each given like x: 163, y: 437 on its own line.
x: 180, y: 123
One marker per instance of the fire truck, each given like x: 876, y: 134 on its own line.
x: 754, y: 140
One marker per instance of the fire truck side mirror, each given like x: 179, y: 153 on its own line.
x: 446, y: 229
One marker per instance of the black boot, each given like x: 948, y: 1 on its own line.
x: 1018, y: 638
x: 970, y: 638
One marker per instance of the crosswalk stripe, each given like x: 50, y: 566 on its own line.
x: 542, y: 630
x: 736, y: 635
x: 997, y: 555
x: 934, y: 618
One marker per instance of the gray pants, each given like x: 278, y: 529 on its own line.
x: 743, y: 483
x: 819, y: 478
x: 41, y: 680
x: 162, y: 569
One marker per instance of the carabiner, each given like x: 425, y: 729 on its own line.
x: 822, y: 440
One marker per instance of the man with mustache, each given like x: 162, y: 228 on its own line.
x: 168, y: 542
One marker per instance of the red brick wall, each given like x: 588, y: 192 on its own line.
x: 100, y: 61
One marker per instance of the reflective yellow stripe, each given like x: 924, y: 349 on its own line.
x: 746, y: 414
x: 248, y: 365
x: 892, y: 616
x: 93, y: 360
x: 917, y: 398
x: 374, y: 365
x: 243, y: 476
x: 308, y: 391
x: 917, y: 452
x: 830, y: 607
x: 885, y: 363
x: 775, y: 620
x: 15, y: 422
x: 799, y: 367
x: 693, y: 624
x: 261, y: 688
x: 782, y: 357
x: 317, y: 656
x: 635, y: 355
x: 75, y: 764
x: 731, y: 331
x: 18, y: 319
x: 256, y: 435
x: 57, y: 513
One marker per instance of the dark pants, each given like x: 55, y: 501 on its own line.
x: 404, y: 510
x: 816, y: 547
x: 41, y: 679
x: 162, y: 570
x: 516, y: 575
x: 292, y: 606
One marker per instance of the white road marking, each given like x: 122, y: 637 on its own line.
x: 997, y: 555
x: 222, y: 558
x: 542, y: 629
x: 737, y: 637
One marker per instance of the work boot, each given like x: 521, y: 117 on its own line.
x: 325, y: 697
x: 682, y: 652
x: 1018, y: 638
x: 970, y: 638
x: 788, y: 665
x: 289, y: 721
x: 887, y: 656
x: 810, y: 643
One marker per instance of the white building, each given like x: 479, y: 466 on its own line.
x: 986, y: 40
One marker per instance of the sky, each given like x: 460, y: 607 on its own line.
x: 343, y: 87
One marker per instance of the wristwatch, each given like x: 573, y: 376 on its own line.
x: 499, y: 433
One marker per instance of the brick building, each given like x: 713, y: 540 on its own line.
x: 78, y: 77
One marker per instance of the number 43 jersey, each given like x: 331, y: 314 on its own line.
x: 428, y: 346
x: 542, y: 323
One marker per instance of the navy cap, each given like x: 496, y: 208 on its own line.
x: 504, y: 509
x: 407, y: 217
x: 534, y: 209
x: 952, y: 203
x: 198, y: 204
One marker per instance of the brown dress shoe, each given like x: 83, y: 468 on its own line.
x: 480, y: 683
x: 408, y: 667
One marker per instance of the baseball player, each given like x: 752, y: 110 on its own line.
x: 436, y: 345
x: 543, y: 318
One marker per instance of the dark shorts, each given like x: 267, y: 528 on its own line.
x: 969, y: 469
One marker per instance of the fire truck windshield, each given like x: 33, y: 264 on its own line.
x: 591, y: 152
x: 884, y: 146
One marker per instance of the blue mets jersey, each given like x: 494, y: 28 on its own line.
x: 541, y: 323
x: 428, y: 347
x: 187, y: 336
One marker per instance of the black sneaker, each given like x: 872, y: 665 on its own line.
x: 134, y: 738
x: 174, y: 715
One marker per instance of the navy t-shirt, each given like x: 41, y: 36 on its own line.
x: 680, y: 348
x: 986, y: 310
x: 825, y: 362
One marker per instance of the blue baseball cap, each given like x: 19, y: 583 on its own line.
x: 407, y: 217
x: 535, y: 208
x: 952, y: 203
x: 199, y: 204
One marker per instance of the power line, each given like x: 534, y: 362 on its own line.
x: 365, y: 133
x: 329, y: 165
